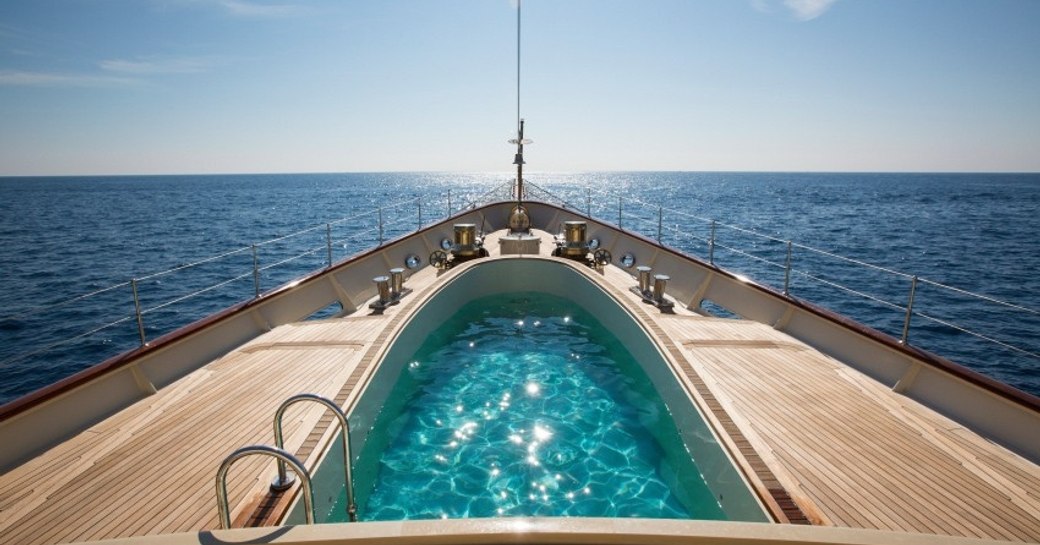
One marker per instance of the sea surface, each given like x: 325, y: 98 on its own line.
x: 70, y: 246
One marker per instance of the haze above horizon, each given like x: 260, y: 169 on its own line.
x: 228, y: 86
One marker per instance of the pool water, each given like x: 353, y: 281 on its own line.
x: 522, y: 404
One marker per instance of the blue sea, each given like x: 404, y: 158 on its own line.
x: 70, y: 246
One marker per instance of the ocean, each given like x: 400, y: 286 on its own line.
x: 70, y: 246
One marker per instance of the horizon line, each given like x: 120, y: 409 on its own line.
x: 510, y: 172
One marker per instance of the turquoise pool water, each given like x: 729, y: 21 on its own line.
x: 522, y: 404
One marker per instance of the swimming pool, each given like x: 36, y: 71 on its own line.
x: 523, y: 403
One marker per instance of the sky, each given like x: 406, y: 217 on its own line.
x: 242, y: 86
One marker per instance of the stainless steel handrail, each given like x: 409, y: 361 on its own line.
x: 59, y: 304
x: 284, y: 481
x: 283, y: 457
x: 610, y: 203
x: 196, y: 293
x: 613, y: 208
x: 202, y: 261
x: 24, y: 355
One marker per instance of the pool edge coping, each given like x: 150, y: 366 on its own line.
x: 777, y: 503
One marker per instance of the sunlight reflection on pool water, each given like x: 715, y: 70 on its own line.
x: 551, y: 418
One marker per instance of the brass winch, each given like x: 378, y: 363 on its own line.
x: 466, y: 244
x: 573, y: 243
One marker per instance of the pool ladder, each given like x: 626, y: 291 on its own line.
x: 285, y: 480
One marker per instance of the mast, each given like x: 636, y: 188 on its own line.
x: 519, y: 221
x: 519, y: 160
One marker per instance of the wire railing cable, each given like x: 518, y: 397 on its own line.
x: 864, y: 295
x: 193, y: 264
x: 195, y: 293
x: 59, y: 304
x: 293, y: 258
x: 853, y: 261
x: 54, y: 345
x: 979, y: 335
x: 400, y: 217
x: 750, y: 256
x: 980, y: 296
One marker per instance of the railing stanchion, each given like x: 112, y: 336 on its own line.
x: 256, y: 272
x: 137, y: 311
x: 909, y: 310
x: 711, y: 244
x: 328, y: 241
x: 787, y: 271
x: 380, y: 226
x: 660, y: 212
x: 419, y: 200
x: 619, y: 211
x: 588, y: 201
x: 449, y: 204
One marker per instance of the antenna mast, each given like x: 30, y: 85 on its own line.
x: 519, y: 122
x: 519, y: 221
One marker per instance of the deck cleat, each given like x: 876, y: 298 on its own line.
x: 383, y: 288
x: 652, y: 295
x: 390, y: 288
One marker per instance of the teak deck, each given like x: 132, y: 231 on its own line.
x: 847, y: 450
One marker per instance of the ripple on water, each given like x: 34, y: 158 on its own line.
x: 976, y: 232
x: 508, y: 430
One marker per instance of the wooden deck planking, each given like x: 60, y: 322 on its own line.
x: 845, y: 447
x: 294, y: 425
x: 139, y: 464
x: 258, y: 434
x: 185, y: 430
x: 865, y: 463
x: 891, y: 441
x: 84, y: 451
x: 781, y: 428
x: 873, y: 485
x: 1012, y: 476
x: 862, y: 455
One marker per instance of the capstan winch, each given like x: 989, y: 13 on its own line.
x: 467, y: 244
x: 573, y: 243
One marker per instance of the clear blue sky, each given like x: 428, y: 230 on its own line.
x: 201, y: 86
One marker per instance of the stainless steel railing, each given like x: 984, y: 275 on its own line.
x: 798, y: 268
x: 765, y: 252
x: 275, y: 260
x: 282, y: 456
x: 284, y: 481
